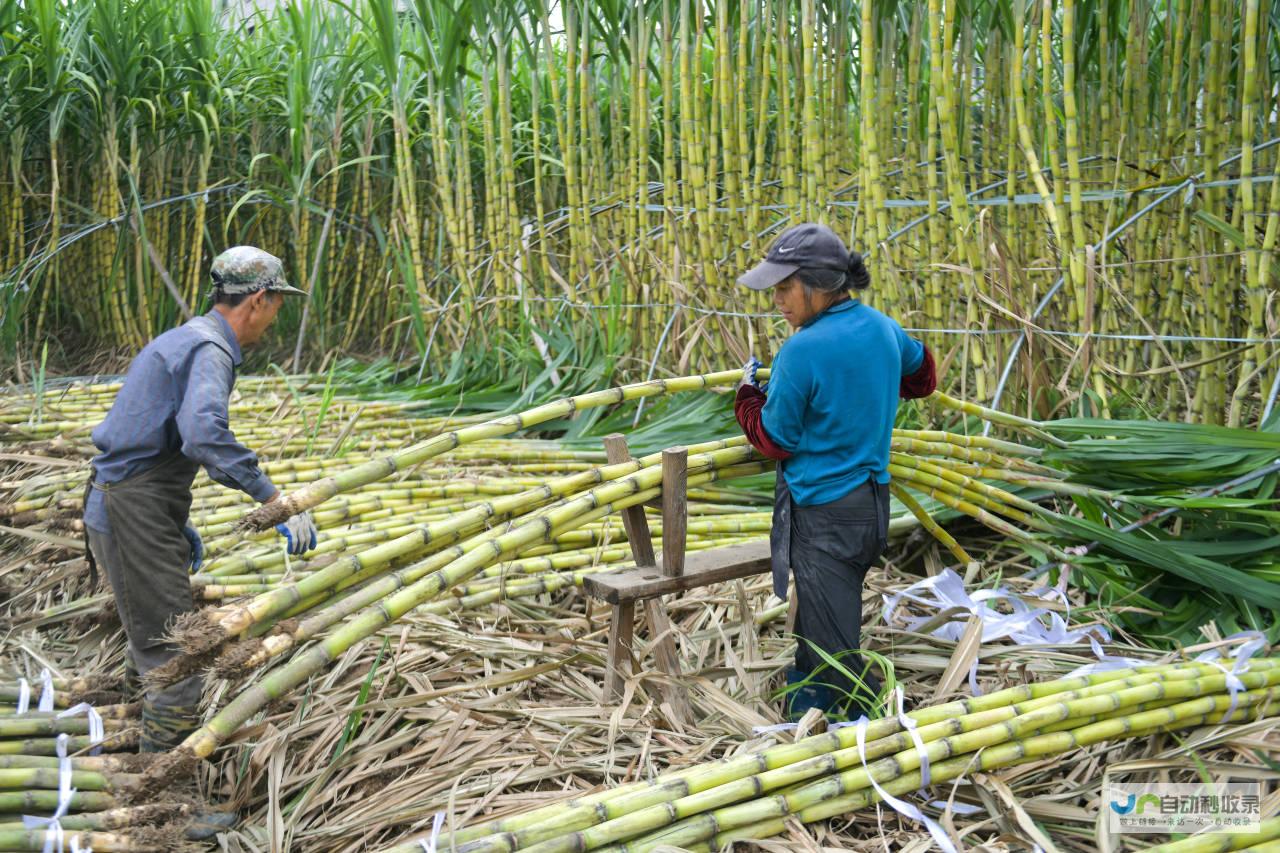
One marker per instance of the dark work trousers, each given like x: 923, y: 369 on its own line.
x: 145, y: 556
x: 832, y: 546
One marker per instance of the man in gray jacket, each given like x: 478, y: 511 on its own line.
x: 168, y: 420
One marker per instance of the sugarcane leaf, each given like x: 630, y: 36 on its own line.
x: 1171, y: 557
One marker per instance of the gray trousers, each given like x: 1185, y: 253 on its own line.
x: 148, y: 599
x: 832, y: 546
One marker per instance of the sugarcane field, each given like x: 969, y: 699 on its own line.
x: 660, y: 425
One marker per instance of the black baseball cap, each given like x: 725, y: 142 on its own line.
x: 805, y: 246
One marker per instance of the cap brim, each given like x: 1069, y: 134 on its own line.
x: 288, y: 288
x: 767, y: 274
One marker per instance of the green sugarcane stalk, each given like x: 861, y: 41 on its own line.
x: 108, y: 764
x: 120, y: 818
x: 788, y: 779
x: 952, y: 475
x: 690, y: 780
x: 994, y: 444
x: 968, y: 492
x: 32, y: 725
x: 903, y: 444
x: 81, y: 780
x: 949, y: 758
x: 109, y: 842
x: 1030, y: 427
x: 941, y: 741
x: 34, y: 802
x: 948, y: 541
x: 911, y: 781
x: 113, y: 742
x: 948, y: 499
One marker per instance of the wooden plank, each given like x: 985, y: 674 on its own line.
x: 618, y: 667
x: 668, y: 658
x: 675, y: 509
x: 633, y: 520
x: 701, y: 568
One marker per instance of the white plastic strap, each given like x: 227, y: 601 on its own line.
x: 24, y: 696
x: 97, y: 732
x: 956, y: 808
x: 910, y: 725
x: 1026, y: 625
x: 1105, y: 662
x: 904, y: 808
x: 54, y: 840
x: 46, y: 693
x: 429, y: 846
x: 1256, y: 641
x: 973, y: 679
x: 777, y: 727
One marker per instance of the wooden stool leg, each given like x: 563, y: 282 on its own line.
x: 668, y: 658
x: 621, y: 624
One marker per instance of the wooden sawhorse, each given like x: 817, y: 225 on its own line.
x: 653, y: 578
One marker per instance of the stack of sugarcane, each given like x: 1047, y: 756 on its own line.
x: 468, y: 540
x: 751, y: 796
x: 69, y: 771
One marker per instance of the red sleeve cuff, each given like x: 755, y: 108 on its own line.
x: 923, y: 382
x: 747, y: 408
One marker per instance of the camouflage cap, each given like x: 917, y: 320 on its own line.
x: 246, y: 269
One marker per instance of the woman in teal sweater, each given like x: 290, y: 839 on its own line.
x: 827, y: 418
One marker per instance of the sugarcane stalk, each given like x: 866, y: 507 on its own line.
x: 152, y: 814
x: 944, y: 771
x: 948, y: 541
x: 29, y: 778
x: 686, y: 781
x: 113, y: 742
x: 31, y: 802
x: 951, y: 757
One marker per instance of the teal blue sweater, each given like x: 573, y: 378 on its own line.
x: 833, y: 397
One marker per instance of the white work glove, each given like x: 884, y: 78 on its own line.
x: 299, y: 532
x: 749, y: 374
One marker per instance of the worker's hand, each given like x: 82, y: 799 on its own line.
x: 197, y: 548
x: 299, y: 532
x: 749, y: 374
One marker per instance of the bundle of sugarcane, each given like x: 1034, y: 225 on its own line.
x: 950, y: 481
x: 708, y: 806
x: 70, y: 771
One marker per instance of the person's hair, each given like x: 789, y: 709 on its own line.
x: 855, y: 277
x: 231, y: 300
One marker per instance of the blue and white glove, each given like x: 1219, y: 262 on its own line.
x: 749, y: 374
x: 197, y: 548
x: 299, y: 532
